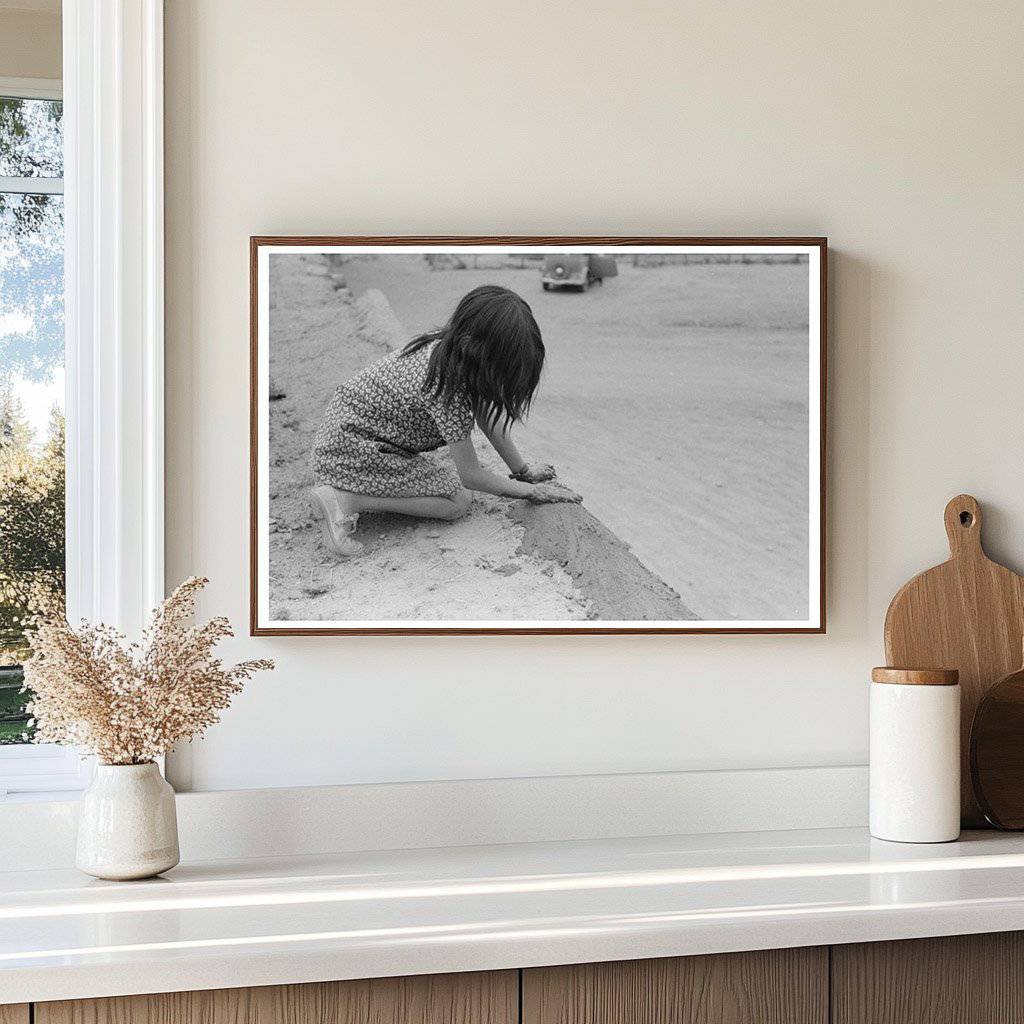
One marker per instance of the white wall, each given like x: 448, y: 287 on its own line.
x: 30, y: 39
x: 895, y: 129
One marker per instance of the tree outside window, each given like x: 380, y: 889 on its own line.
x: 31, y: 386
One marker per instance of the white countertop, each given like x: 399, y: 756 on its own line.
x: 282, y: 920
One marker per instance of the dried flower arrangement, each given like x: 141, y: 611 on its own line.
x: 129, y: 703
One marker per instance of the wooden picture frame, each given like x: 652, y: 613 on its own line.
x: 683, y: 249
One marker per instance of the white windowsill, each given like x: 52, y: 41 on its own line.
x: 41, y: 771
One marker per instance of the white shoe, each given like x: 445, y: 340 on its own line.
x: 336, y: 525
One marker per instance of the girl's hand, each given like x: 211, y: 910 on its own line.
x: 534, y: 473
x: 545, y: 494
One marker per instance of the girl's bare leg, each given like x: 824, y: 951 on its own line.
x: 338, y: 512
x: 451, y: 508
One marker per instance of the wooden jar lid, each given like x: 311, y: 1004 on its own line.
x: 916, y: 676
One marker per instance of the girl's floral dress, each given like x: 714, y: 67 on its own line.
x: 379, y: 426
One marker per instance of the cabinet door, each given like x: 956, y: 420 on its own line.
x: 779, y: 986
x: 14, y: 1013
x: 962, y: 979
x: 490, y: 998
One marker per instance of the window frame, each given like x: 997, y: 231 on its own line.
x: 32, y: 768
x: 112, y: 90
x: 31, y: 88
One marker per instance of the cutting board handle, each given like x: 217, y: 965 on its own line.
x: 963, y: 526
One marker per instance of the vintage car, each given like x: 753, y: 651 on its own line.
x: 577, y: 270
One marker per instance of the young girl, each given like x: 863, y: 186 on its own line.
x: 482, y: 367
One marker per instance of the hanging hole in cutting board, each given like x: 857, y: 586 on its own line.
x: 966, y: 612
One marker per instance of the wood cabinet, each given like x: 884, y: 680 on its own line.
x: 479, y: 998
x: 969, y: 979
x: 778, y: 986
x: 962, y: 979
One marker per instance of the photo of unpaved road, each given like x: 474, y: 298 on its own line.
x: 675, y: 400
x: 507, y: 560
x: 674, y: 397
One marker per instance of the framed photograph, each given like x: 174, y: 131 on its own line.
x: 537, y: 435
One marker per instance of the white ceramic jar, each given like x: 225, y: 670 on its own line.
x: 127, y: 824
x: 915, y: 755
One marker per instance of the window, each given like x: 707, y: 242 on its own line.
x: 31, y: 407
x: 109, y: 169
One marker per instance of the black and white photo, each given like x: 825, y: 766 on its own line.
x: 537, y: 435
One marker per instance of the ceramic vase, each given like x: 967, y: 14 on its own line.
x: 127, y: 826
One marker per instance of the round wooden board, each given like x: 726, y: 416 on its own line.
x: 997, y: 753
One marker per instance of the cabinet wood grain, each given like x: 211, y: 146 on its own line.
x: 962, y: 979
x: 478, y: 998
x: 14, y: 1013
x: 779, y: 986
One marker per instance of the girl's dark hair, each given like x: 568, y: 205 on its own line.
x: 490, y: 351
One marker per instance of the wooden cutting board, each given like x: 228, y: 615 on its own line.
x: 967, y: 614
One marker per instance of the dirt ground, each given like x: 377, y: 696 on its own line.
x: 505, y: 561
x: 675, y: 400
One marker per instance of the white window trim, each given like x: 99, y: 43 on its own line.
x: 114, y: 325
x: 31, y: 88
x: 42, y: 768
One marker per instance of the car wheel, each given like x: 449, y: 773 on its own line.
x: 545, y: 286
